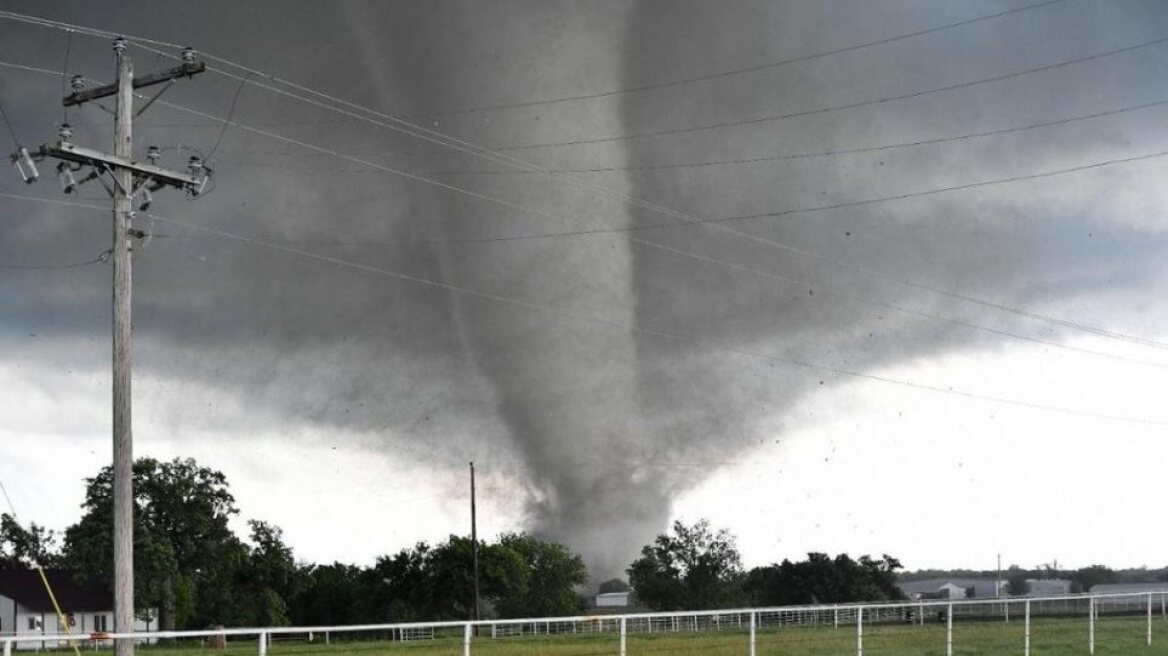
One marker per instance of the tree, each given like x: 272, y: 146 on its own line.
x: 270, y: 577
x: 1086, y: 578
x: 186, y: 559
x: 332, y: 594
x: 26, y: 547
x: 550, y: 575
x: 613, y: 585
x: 693, y: 568
x: 1016, y: 583
x: 822, y: 580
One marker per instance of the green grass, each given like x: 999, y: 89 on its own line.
x: 1049, y: 637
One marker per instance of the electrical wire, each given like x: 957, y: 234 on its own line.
x: 771, y: 118
x: 64, y: 72
x: 573, y: 318
x: 816, y: 154
x: 100, y: 259
x: 230, y: 115
x: 43, y: 22
x: 11, y: 130
x: 686, y: 218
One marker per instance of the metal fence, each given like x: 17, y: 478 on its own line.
x: 1120, y: 622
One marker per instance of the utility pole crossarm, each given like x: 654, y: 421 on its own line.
x: 72, y: 153
x: 186, y: 69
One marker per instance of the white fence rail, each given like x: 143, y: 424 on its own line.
x: 844, y: 629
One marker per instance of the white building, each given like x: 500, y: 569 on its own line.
x: 612, y: 600
x: 27, y: 610
x: 952, y: 588
x: 1048, y: 587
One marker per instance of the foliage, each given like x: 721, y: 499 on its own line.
x: 613, y: 585
x: 187, y: 561
x: 1016, y: 583
x: 692, y: 568
x: 548, y: 580
x: 823, y: 580
x: 26, y: 547
x: 518, y: 576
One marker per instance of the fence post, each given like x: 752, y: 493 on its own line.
x: 1091, y: 625
x: 466, y: 631
x: 836, y: 608
x: 859, y: 631
x: 1149, y: 619
x: 8, y: 647
x: 623, y: 635
x: 921, y: 614
x: 949, y: 631
x: 753, y: 624
x: 263, y: 643
x: 1026, y: 649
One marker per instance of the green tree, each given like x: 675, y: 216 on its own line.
x: 333, y: 594
x: 269, y: 578
x: 1016, y: 583
x: 822, y: 579
x: 548, y: 581
x: 26, y: 547
x: 693, y: 568
x: 1086, y: 578
x: 613, y: 585
x: 186, y: 559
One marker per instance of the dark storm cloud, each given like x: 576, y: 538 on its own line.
x: 598, y: 418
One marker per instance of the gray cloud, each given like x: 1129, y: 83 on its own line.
x: 607, y: 426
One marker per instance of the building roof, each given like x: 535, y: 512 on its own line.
x: 931, y: 585
x: 25, y: 587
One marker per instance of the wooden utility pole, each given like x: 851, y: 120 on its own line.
x: 128, y: 179
x: 474, y: 539
x: 123, y: 438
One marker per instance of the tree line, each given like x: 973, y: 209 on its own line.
x: 192, y: 568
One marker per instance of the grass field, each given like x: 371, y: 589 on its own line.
x: 1049, y: 637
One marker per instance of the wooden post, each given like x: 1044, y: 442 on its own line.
x: 123, y: 445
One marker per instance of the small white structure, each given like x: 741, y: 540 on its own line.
x: 1048, y: 587
x: 27, y: 611
x: 612, y: 600
x: 952, y: 588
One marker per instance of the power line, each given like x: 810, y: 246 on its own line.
x: 227, y: 121
x: 812, y: 155
x: 100, y: 259
x: 788, y: 280
x: 11, y: 130
x: 832, y: 108
x: 567, y: 316
x: 574, y: 317
x: 683, y: 217
x: 43, y: 22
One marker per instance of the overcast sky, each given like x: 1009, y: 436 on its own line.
x: 939, y: 376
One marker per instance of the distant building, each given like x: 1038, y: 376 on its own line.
x: 1133, y: 588
x: 27, y: 610
x: 612, y: 600
x: 1048, y: 587
x: 952, y: 588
